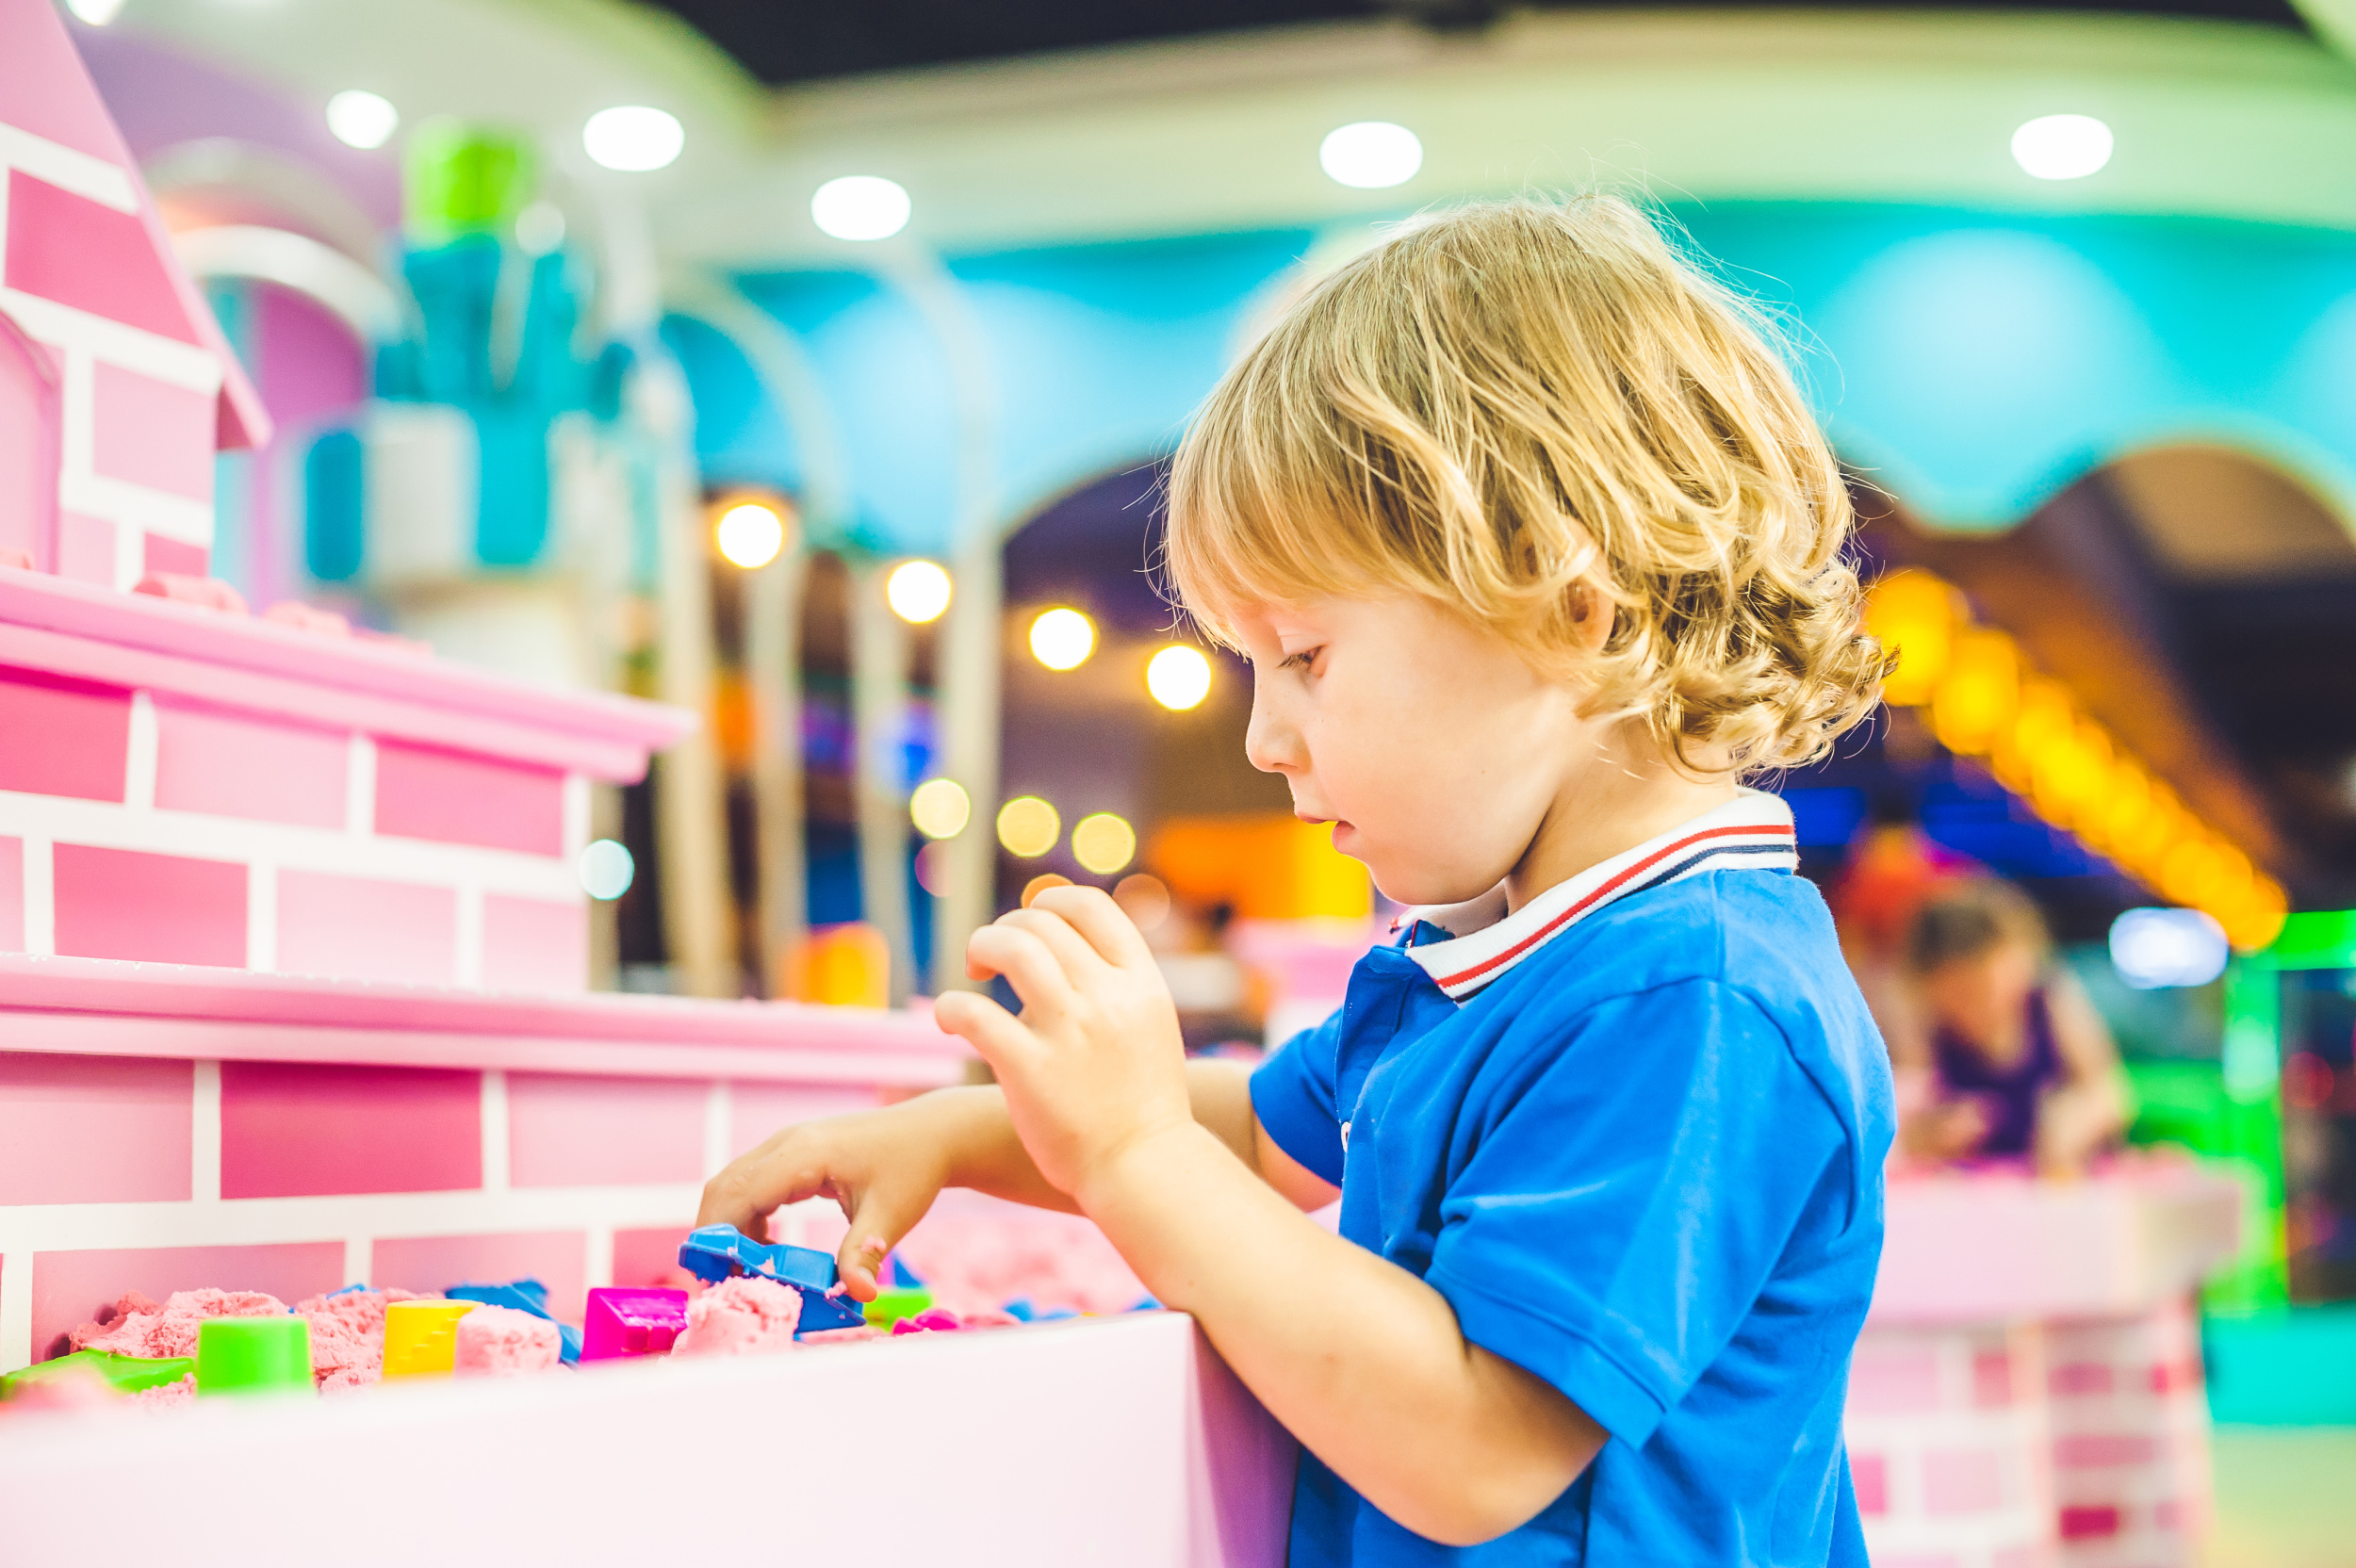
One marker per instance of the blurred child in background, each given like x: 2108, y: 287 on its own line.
x: 2000, y: 1055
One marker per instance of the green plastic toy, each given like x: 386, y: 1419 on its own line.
x: 466, y: 178
x: 128, y: 1374
x: 890, y: 1306
x: 253, y: 1355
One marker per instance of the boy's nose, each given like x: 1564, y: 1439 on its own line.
x: 1270, y: 744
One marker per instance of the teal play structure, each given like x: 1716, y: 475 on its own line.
x: 1972, y: 362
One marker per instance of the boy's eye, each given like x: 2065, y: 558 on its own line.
x: 1301, y: 661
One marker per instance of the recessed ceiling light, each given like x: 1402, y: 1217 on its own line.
x: 2062, y: 146
x: 861, y: 206
x: 1372, y: 155
x: 361, y: 120
x: 632, y: 139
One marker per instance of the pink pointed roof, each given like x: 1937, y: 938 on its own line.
x: 46, y: 92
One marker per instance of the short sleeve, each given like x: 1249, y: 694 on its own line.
x: 1625, y: 1204
x: 1292, y: 1094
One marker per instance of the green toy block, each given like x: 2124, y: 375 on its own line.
x: 129, y: 1374
x: 253, y: 1355
x: 890, y: 1306
x: 466, y: 178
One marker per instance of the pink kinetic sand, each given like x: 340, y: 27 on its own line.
x: 501, y: 1342
x: 141, y: 1327
x: 165, y: 1396
x: 740, y: 1316
x: 348, y: 1335
x: 840, y: 1336
x: 978, y: 1261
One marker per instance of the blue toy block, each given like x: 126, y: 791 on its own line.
x: 903, y: 1277
x: 523, y: 1295
x: 712, y: 1253
x: 1022, y: 1310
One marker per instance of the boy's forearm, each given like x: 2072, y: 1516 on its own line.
x: 1359, y: 1359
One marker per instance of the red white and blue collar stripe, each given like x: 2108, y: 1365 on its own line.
x: 1752, y: 832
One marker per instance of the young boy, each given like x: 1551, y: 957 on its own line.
x: 1535, y: 552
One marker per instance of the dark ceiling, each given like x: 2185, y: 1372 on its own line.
x: 802, y: 40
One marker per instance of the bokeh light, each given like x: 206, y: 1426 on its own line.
x: 1179, y: 677
x: 361, y: 120
x: 1029, y: 826
x: 861, y: 206
x: 1371, y: 155
x: 96, y: 12
x: 932, y: 869
x: 606, y: 870
x: 1144, y: 898
x: 1104, y: 843
x: 751, y: 533
x: 939, y: 808
x: 632, y: 139
x: 2062, y: 146
x: 918, y: 591
x: 2153, y: 948
x: 1039, y: 884
x: 1915, y: 614
x: 1062, y: 638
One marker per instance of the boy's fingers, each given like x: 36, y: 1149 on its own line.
x: 751, y: 1187
x: 997, y: 1034
x: 1072, y: 949
x: 1111, y: 935
x: 881, y: 1218
x: 1029, y: 966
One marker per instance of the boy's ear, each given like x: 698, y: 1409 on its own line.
x: 1592, y: 616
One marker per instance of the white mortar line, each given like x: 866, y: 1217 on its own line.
x: 139, y: 767
x: 575, y: 816
x: 38, y: 870
x: 130, y: 563
x: 470, y: 924
x: 495, y: 1134
x: 203, y: 1135
x: 719, y: 1128
x: 360, y: 786
x: 138, y: 506
x: 359, y: 1260
x: 93, y: 179
x: 109, y: 824
x: 185, y: 364
x: 597, y: 1267
x: 261, y: 918
x: 16, y: 1310
x: 77, y: 413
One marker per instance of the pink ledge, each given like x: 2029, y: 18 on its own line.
x: 138, y: 639
x: 1111, y: 1441
x: 98, y: 1006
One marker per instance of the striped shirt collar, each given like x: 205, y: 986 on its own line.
x: 1480, y: 941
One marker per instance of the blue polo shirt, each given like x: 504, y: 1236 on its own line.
x: 1634, y: 1134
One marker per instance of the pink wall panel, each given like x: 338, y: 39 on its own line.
x: 153, y: 909
x: 423, y: 793
x: 233, y: 765
x: 566, y: 1131
x: 147, y: 432
x: 290, y: 1129
x: 355, y: 929
x: 47, y: 90
x: 93, y: 1129
x: 70, y: 249
x: 758, y: 1110
x: 650, y: 1258
x: 61, y: 737
x: 531, y: 945
x: 309, y: 366
x: 11, y: 895
x: 556, y: 1258
x: 160, y: 554
x: 85, y: 548
x: 71, y: 1288
x: 28, y: 447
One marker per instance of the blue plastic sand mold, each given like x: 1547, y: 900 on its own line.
x: 712, y: 1253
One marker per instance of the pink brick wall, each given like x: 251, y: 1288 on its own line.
x: 529, y: 944
x: 557, y: 1258
x: 565, y: 1132
x: 155, y: 909
x: 93, y: 1129
x: 149, y: 434
x: 290, y: 1129
x: 645, y: 1258
x: 11, y: 895
x: 73, y: 1288
x: 2131, y: 1456
x: 61, y: 737
x: 233, y: 765
x: 757, y: 1110
x: 85, y: 548
x: 176, y: 556
x: 457, y: 798
x: 28, y: 447
x: 363, y: 929
x: 72, y: 250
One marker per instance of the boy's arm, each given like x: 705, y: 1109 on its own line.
x: 1361, y: 1360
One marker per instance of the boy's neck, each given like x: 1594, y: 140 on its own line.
x: 1608, y: 804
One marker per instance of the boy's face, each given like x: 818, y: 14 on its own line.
x: 1431, y: 745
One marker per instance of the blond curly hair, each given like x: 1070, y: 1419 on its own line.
x: 1510, y: 405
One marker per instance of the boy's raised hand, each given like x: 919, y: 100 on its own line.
x: 1094, y: 1066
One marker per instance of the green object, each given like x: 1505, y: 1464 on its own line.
x: 253, y: 1355
x: 465, y: 178
x: 890, y: 1306
x: 129, y: 1374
